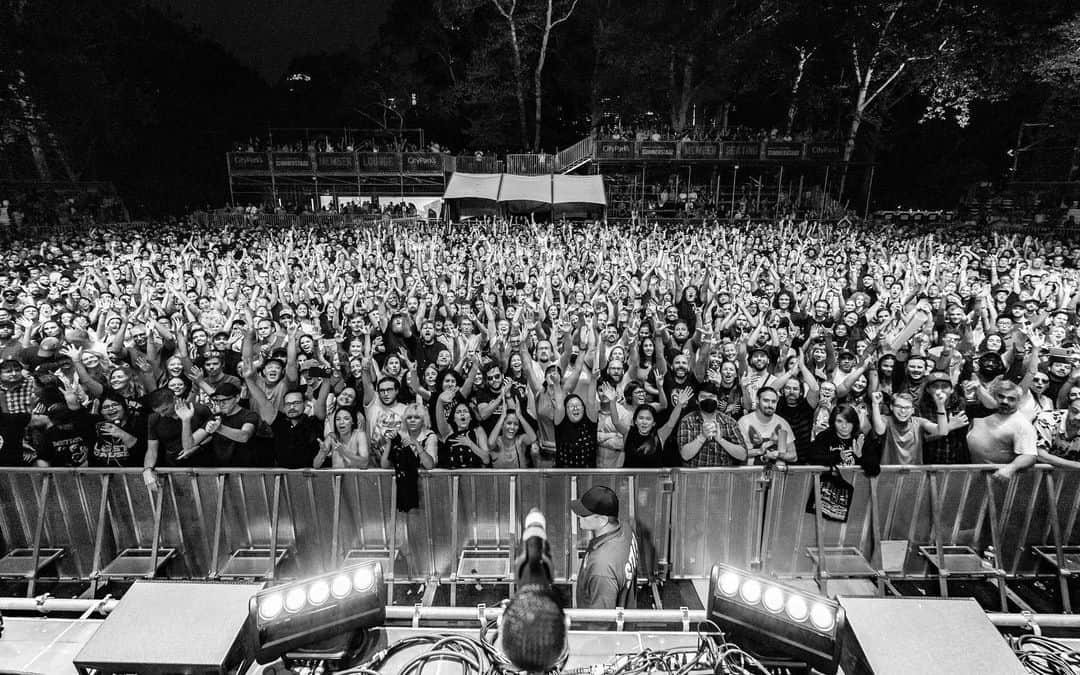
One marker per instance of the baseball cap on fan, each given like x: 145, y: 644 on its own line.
x: 597, y: 500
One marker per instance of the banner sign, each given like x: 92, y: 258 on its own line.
x: 292, y: 162
x: 614, y: 149
x: 248, y: 161
x: 422, y: 162
x: 335, y: 162
x: 380, y: 162
x: 699, y: 150
x: 784, y: 151
x: 824, y: 150
x: 657, y: 149
x: 741, y: 150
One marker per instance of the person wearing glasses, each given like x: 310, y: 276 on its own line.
x: 120, y: 439
x: 384, y: 403
x: 296, y: 435
x: 1058, y: 433
x: 227, y: 433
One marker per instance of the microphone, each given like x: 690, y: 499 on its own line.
x: 534, y: 566
x: 533, y: 625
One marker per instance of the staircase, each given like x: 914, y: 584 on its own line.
x: 576, y: 156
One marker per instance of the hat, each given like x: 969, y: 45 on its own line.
x: 846, y: 354
x: 49, y: 344
x: 534, y: 630
x: 227, y: 389
x: 938, y: 377
x: 597, y: 500
x: 756, y: 349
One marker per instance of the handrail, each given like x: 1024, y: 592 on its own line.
x: 46, y: 604
x: 791, y: 468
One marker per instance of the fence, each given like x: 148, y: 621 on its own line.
x: 531, y: 165
x: 201, y: 520
x: 285, y: 221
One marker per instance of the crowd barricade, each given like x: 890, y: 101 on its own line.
x: 251, y: 523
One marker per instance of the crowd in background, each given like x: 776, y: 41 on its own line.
x: 511, y: 344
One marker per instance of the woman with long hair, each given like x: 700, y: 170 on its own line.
x: 120, y: 440
x: 644, y: 442
x: 464, y: 445
x: 345, y: 443
x: 510, y: 440
x: 843, y: 443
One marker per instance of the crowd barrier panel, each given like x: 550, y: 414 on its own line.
x: 686, y: 519
x: 713, y: 520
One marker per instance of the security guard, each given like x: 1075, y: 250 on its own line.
x: 609, y: 568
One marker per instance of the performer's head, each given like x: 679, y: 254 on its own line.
x: 534, y: 630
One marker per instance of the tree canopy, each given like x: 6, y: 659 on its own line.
x: 138, y: 98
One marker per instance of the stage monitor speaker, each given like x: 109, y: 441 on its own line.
x: 900, y: 636
x: 174, y: 627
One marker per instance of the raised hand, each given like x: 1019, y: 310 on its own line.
x: 184, y: 410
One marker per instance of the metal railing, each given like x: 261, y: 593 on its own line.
x: 286, y: 221
x: 531, y: 164
x: 575, y: 155
x: 686, y: 519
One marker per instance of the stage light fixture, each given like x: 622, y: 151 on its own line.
x: 309, y: 610
x: 776, y: 618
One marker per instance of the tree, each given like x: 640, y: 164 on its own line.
x: 508, y: 10
x: 886, y: 40
x: 803, y: 55
x: 551, y: 21
x: 994, y: 50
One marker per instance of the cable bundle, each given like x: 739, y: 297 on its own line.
x: 1044, y: 656
x: 480, y: 657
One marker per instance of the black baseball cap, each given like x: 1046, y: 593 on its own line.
x: 226, y: 390
x: 597, y: 500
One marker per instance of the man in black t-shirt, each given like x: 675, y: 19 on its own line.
x: 296, y: 435
x: 164, y: 445
x: 228, y: 431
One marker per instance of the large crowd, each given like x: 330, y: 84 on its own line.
x: 511, y: 344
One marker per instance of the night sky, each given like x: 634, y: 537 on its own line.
x: 267, y: 34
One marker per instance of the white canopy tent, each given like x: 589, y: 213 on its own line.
x: 522, y: 194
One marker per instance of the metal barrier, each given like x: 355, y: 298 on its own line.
x: 473, y: 164
x: 531, y: 164
x: 95, y: 524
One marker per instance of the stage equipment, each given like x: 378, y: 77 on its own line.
x: 774, y: 617
x: 310, y: 610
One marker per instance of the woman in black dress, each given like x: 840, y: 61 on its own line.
x: 464, y: 443
x: 575, y: 435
